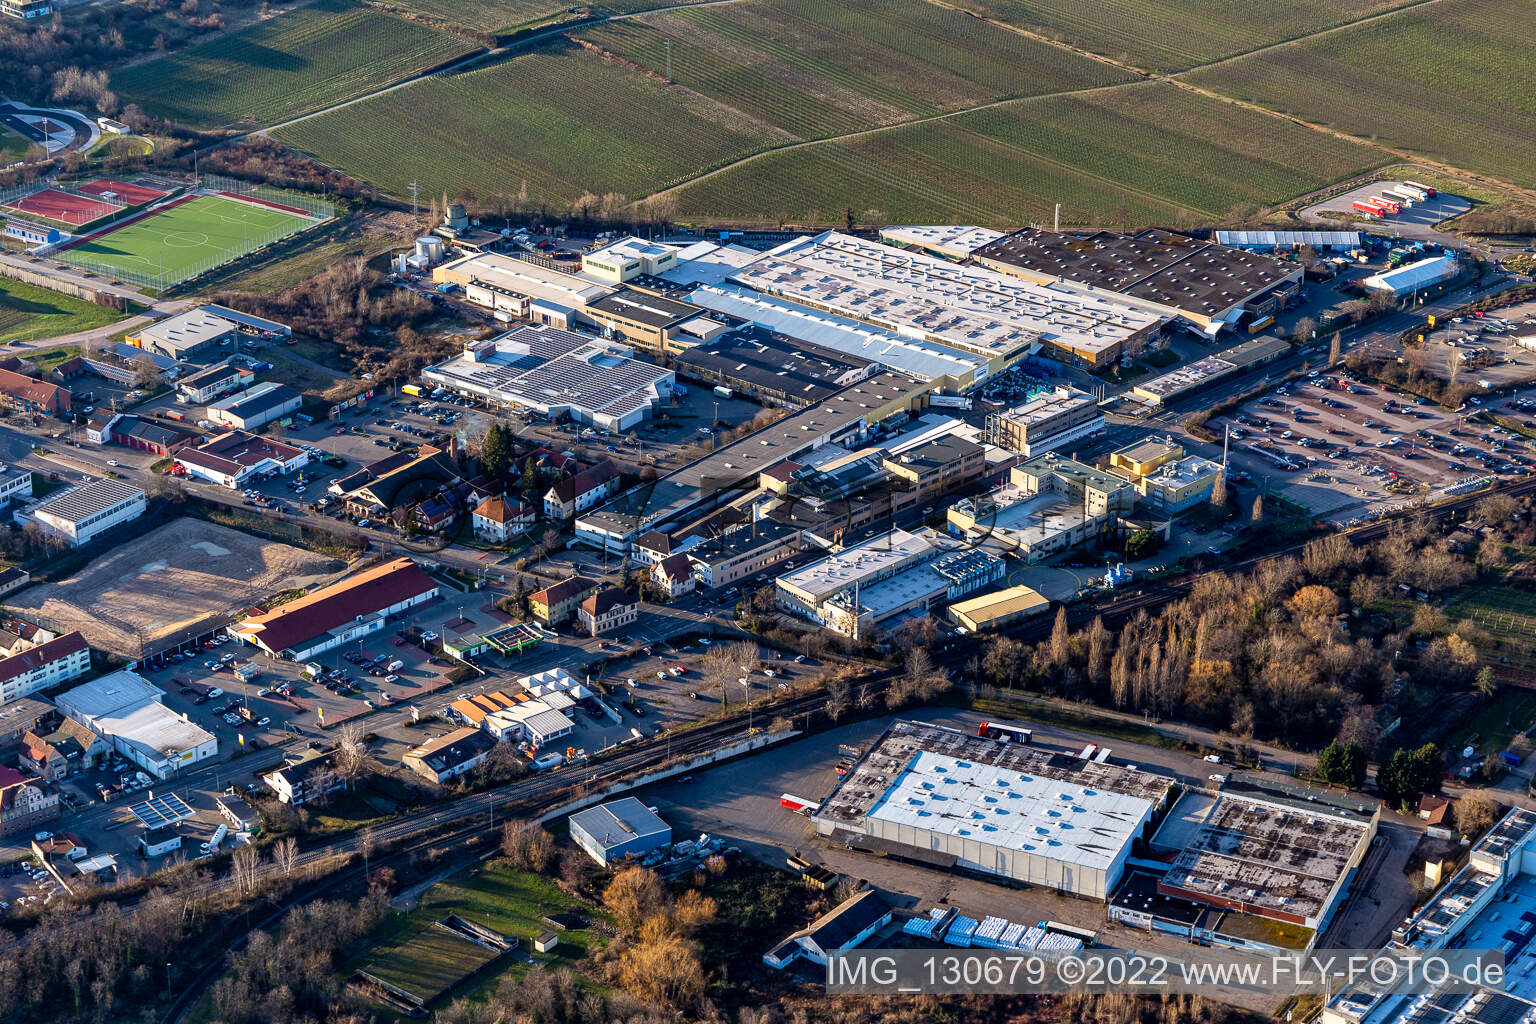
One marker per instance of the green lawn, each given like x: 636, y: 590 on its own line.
x: 12, y: 147
x: 288, y: 65
x: 425, y: 961
x: 183, y: 241
x: 30, y: 313
x: 412, y: 952
x: 1511, y: 710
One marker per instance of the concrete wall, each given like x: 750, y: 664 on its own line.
x: 31, y: 277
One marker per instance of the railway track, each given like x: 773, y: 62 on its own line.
x: 537, y: 795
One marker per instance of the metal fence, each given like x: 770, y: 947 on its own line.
x: 298, y: 200
x: 162, y: 277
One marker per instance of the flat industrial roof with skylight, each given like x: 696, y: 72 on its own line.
x: 993, y: 807
x: 967, y: 308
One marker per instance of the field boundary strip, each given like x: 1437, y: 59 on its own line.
x: 267, y: 203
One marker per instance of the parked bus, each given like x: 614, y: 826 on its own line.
x: 411, y: 389
x: 1013, y: 732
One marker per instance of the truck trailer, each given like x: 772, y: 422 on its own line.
x: 1386, y: 204
x: 1422, y: 188
x: 1367, y: 209
x: 1418, y: 194
x: 1397, y: 192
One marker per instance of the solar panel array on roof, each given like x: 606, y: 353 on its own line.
x: 161, y: 811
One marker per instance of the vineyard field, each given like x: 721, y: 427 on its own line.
x: 1459, y: 90
x: 484, y: 15
x: 550, y: 125
x: 506, y: 16
x: 1174, y: 35
x: 817, y: 69
x: 288, y: 65
x: 1146, y: 153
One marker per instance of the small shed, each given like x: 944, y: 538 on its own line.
x: 546, y: 943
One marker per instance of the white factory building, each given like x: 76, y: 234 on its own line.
x: 950, y: 799
x: 966, y: 308
x: 868, y: 585
x: 1422, y: 276
x: 560, y: 374
x: 81, y: 514
x: 124, y: 709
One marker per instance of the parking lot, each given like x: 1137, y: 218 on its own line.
x: 1488, y: 348
x: 1416, y: 221
x: 1337, y: 444
x: 668, y: 686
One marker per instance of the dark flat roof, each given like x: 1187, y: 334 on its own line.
x: 1154, y: 264
x: 775, y: 363
x: 644, y: 308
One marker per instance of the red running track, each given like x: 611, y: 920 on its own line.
x: 63, y: 207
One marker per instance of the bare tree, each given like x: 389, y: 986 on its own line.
x: 285, y: 854
x: 725, y: 664
x: 350, y: 761
x: 245, y: 867
x: 1303, y: 331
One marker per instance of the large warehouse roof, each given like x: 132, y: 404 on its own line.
x: 154, y: 729
x: 708, y: 263
x: 1012, y: 809
x: 728, y: 469
x: 1289, y: 239
x: 619, y: 821
x: 1413, y: 276
x: 546, y: 368
x: 776, y: 365
x: 958, y: 240
x: 865, y: 789
x: 187, y: 330
x: 873, y: 560
x: 968, y: 308
x: 1271, y: 857
x: 110, y: 693
x: 1155, y: 265
x: 922, y: 359
x: 339, y: 604
x: 520, y: 277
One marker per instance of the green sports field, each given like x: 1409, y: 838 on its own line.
x: 184, y: 241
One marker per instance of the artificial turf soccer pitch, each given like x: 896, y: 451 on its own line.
x: 181, y: 242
